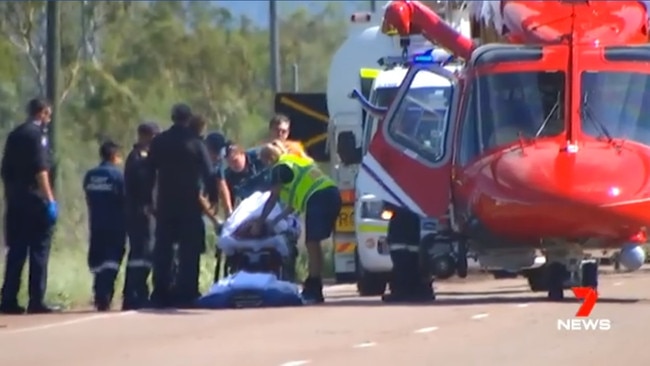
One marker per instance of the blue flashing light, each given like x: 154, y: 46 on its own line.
x: 432, y: 57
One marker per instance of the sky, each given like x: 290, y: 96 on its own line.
x: 258, y: 10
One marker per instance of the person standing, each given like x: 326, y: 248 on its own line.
x: 31, y: 210
x: 177, y: 161
x: 105, y: 197
x: 279, y: 130
x: 302, y: 187
x: 139, y: 221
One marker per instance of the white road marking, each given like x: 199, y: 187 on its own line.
x: 523, y: 305
x: 480, y: 316
x: 425, y: 330
x: 618, y: 283
x: 364, y: 345
x: 296, y: 363
x: 67, y: 322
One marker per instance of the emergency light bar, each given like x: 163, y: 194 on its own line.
x: 434, y: 56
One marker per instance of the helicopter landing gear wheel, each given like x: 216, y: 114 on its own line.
x: 461, y: 260
x: 590, y: 275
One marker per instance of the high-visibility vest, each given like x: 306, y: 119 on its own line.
x: 307, y: 179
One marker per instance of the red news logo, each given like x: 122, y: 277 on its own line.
x: 589, y: 298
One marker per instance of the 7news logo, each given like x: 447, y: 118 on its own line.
x: 582, y: 322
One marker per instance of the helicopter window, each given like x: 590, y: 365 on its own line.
x: 381, y: 97
x: 469, y: 142
x: 616, y: 105
x: 420, y: 121
x: 518, y: 105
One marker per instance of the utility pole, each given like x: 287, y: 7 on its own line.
x: 296, y: 78
x: 373, y: 6
x: 53, y: 59
x: 274, y: 43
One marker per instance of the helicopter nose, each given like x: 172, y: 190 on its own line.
x: 595, y: 191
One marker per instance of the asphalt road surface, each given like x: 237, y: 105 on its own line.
x: 495, y: 322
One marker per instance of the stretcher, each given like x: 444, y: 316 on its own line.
x: 254, y: 263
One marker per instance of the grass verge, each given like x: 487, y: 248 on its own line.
x: 69, y: 280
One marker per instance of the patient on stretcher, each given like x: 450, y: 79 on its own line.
x: 236, y: 237
x: 254, y: 262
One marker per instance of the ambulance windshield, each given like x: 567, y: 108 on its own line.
x: 420, y: 121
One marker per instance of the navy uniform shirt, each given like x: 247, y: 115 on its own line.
x: 105, y: 196
x: 26, y: 154
x: 252, y: 178
x: 135, y: 179
x: 178, y: 160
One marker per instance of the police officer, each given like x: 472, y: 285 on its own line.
x: 410, y: 279
x: 139, y: 221
x: 303, y: 187
x: 31, y: 210
x: 179, y: 160
x: 105, y: 197
x: 241, y: 175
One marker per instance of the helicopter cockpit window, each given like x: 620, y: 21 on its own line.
x: 520, y: 105
x: 616, y: 105
x: 421, y: 120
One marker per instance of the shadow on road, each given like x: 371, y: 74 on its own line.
x: 467, y: 301
x: 172, y: 311
x: 481, y: 293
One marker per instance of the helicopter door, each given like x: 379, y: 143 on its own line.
x: 409, y: 158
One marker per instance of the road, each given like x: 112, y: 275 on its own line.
x: 472, y: 323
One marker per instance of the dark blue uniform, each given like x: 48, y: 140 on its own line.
x: 104, y: 187
x: 139, y: 228
x: 28, y: 228
x: 179, y: 160
x: 254, y: 177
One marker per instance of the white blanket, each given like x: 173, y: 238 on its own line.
x: 252, y: 207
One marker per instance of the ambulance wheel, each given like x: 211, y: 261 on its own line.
x: 537, y: 278
x: 369, y: 283
x: 557, y: 274
x: 443, y: 266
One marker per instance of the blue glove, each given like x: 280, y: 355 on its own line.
x: 52, y: 211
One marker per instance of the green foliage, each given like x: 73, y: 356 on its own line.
x: 123, y: 61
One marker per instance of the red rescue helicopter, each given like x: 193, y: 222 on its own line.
x: 546, y: 144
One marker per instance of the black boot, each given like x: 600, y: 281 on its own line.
x: 399, y: 278
x: 312, y: 291
x: 408, y: 282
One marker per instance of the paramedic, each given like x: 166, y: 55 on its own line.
x: 177, y: 161
x: 31, y: 210
x: 410, y: 279
x: 303, y: 187
x: 237, y: 176
x: 139, y: 221
x: 105, y: 197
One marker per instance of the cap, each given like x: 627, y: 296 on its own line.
x: 107, y: 148
x: 148, y: 128
x: 215, y: 141
x: 181, y: 112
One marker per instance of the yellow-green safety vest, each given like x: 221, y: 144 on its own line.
x: 307, y: 179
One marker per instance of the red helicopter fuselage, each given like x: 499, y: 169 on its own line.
x: 551, y: 134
